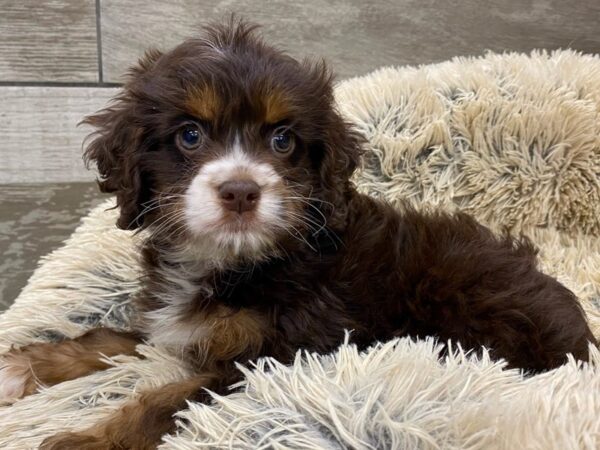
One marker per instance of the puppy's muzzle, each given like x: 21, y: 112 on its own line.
x: 239, y: 195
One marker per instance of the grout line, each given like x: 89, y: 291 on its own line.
x: 83, y: 84
x: 99, y: 41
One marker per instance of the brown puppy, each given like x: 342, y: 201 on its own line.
x: 234, y: 158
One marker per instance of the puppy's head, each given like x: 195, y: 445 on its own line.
x: 227, y: 141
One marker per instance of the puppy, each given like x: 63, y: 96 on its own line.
x: 232, y: 156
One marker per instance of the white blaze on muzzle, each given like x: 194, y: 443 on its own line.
x: 205, y: 214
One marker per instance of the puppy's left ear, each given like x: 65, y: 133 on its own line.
x: 116, y: 147
x: 340, y: 147
x: 341, y: 156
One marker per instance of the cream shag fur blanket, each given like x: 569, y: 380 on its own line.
x: 512, y: 139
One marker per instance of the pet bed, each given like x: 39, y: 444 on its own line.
x: 513, y: 139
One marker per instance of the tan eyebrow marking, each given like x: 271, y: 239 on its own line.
x: 276, y: 107
x: 204, y: 102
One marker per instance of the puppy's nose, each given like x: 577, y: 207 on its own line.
x: 239, y: 195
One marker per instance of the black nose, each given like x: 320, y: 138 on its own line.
x: 239, y: 195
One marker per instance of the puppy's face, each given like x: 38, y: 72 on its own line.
x: 229, y: 143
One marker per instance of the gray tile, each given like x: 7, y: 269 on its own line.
x: 34, y: 220
x: 40, y: 139
x: 48, y: 40
x: 357, y: 36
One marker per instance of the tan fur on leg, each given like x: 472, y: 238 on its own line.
x: 141, y: 423
x: 23, y: 369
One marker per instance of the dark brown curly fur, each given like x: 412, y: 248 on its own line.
x: 378, y: 271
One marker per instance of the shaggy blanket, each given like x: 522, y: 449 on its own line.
x: 512, y: 139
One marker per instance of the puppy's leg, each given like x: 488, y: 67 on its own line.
x: 23, y: 369
x: 141, y: 423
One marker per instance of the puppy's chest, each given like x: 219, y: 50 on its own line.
x: 231, y: 313
x: 188, y: 313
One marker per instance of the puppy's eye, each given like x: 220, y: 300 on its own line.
x: 282, y: 141
x: 189, y: 137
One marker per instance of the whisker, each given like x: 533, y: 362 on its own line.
x: 168, y: 220
x: 309, y: 199
x: 322, y: 227
x: 300, y: 237
x: 307, y: 221
x: 155, y: 204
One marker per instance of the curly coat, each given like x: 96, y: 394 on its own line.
x: 338, y: 261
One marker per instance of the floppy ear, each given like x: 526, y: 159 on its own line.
x: 340, y: 146
x: 116, y: 148
x: 341, y: 156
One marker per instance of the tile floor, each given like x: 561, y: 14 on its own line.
x: 34, y: 220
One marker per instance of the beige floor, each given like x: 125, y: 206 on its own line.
x: 34, y: 220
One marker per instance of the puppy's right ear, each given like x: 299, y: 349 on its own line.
x: 116, y: 147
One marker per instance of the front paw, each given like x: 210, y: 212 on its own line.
x: 16, y: 377
x: 75, y: 441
